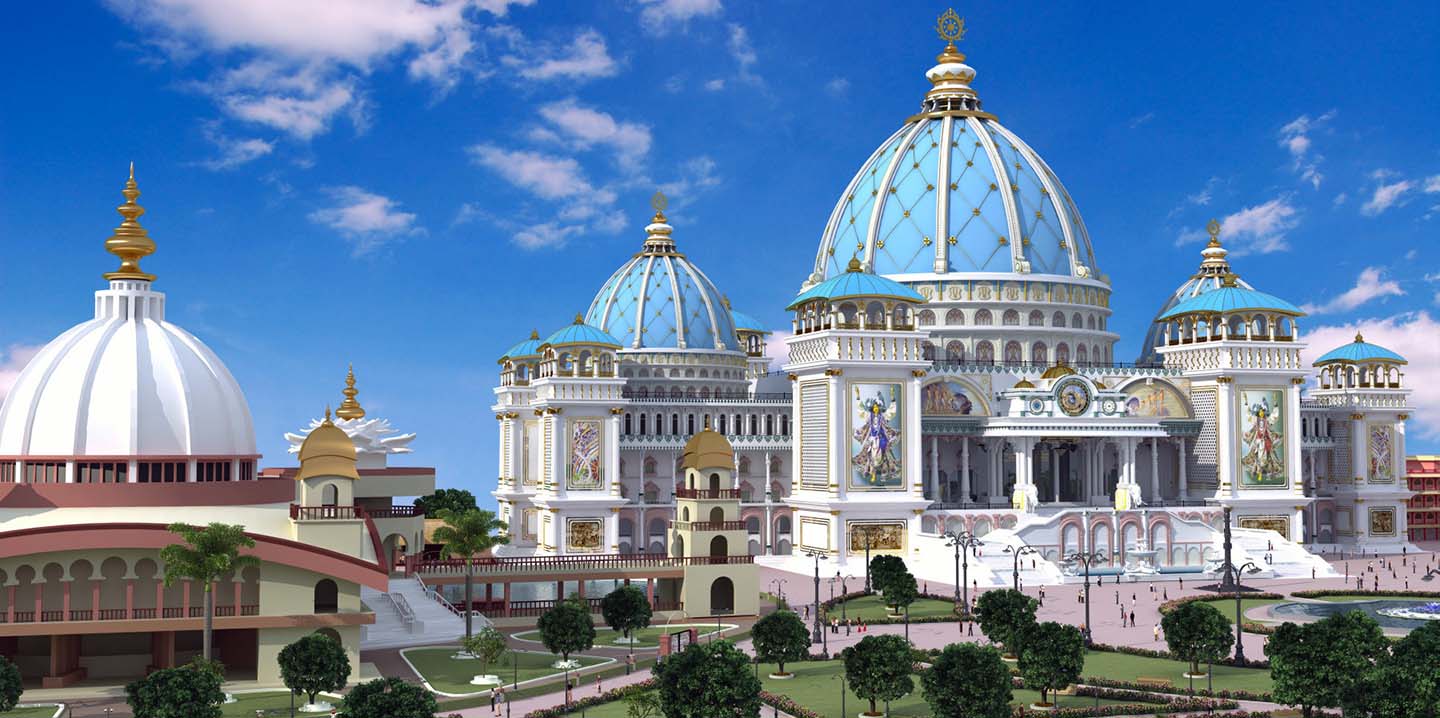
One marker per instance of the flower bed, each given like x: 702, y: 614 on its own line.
x: 1113, y: 684
x: 1175, y: 603
x: 1151, y: 653
x: 784, y: 703
x: 614, y: 694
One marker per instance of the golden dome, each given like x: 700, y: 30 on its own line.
x: 708, y: 449
x: 1057, y: 371
x: 327, y: 451
x: 1023, y: 384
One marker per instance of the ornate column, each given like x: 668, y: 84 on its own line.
x: 964, y: 466
x: 935, y: 468
x: 766, y: 532
x: 1358, y: 449
x: 1054, y: 474
x: 1154, y: 468
x: 1180, y: 456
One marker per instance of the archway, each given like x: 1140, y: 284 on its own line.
x: 719, y: 547
x: 330, y: 495
x: 722, y: 596
x: 327, y: 596
x: 717, y: 515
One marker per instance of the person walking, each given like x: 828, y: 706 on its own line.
x: 494, y: 697
x: 1156, y: 632
x: 1132, y: 619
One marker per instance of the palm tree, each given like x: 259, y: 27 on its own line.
x: 467, y: 534
x: 207, y: 554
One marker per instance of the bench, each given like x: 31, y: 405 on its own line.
x: 1155, y: 682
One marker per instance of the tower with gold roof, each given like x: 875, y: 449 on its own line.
x: 720, y: 577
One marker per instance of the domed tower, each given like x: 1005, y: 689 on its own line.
x: 1359, y: 407
x: 1214, y: 268
x: 676, y: 331
x: 1240, y: 348
x: 126, y: 397
x: 720, y: 577
x: 960, y: 209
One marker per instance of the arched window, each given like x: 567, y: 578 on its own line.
x: 955, y: 316
x: 714, y: 482
x: 785, y: 425
x: 1076, y: 320
x: 983, y: 318
x: 1081, y: 356
x: 1062, y: 353
x: 330, y: 495
x: 722, y: 597
x: 644, y: 430
x: 1037, y: 319
x: 1038, y: 353
x: 1095, y: 355
x: 954, y: 351
x: 1011, y: 318
x: 719, y: 547
x: 717, y: 515
x: 984, y: 353
x: 925, y: 317
x: 1012, y: 353
x: 327, y: 597
x: 927, y: 350
x: 1058, y: 320
x: 1090, y: 322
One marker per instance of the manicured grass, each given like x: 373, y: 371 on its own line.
x: 648, y: 637
x: 873, y: 608
x: 452, y: 675
x: 1226, y: 606
x: 1125, y: 667
x: 816, y: 686
x: 42, y: 712
x: 273, y: 703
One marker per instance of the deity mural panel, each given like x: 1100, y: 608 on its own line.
x: 585, y: 474
x: 1382, y: 522
x: 1278, y: 524
x: 582, y: 534
x: 1382, y: 458
x: 946, y: 398
x: 1262, y: 439
x: 883, y: 536
x: 1156, y: 400
x: 875, y: 440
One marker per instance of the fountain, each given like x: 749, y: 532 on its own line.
x: 1140, y: 560
x: 1423, y: 612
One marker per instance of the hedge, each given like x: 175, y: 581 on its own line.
x: 1152, y: 653
x: 613, y: 694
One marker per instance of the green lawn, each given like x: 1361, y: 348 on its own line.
x: 873, y: 608
x: 1125, y: 667
x: 451, y: 675
x: 648, y: 637
x: 43, y: 712
x: 274, y: 703
x: 1226, y: 606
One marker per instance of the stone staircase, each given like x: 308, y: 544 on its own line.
x: 407, y: 615
x: 1288, y: 559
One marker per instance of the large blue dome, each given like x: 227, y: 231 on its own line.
x: 955, y: 191
x: 660, y: 300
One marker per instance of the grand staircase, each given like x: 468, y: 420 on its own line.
x: 408, y: 615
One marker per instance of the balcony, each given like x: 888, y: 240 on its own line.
x: 707, y: 494
x: 708, y: 525
x: 122, y: 614
x: 314, y: 513
x: 395, y: 512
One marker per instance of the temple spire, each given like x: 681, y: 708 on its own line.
x: 350, y: 408
x: 130, y: 242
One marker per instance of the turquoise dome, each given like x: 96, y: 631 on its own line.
x: 955, y: 191
x: 582, y: 333
x: 660, y: 300
x: 747, y: 323
x: 1214, y: 268
x: 1359, y: 351
x: 528, y: 348
x: 856, y: 283
x: 1227, y: 299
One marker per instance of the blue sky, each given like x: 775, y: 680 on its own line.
x: 415, y: 186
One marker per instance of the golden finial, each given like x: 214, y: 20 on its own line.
x: 327, y: 413
x: 660, y: 203
x: 534, y: 333
x: 855, y: 265
x: 1230, y: 279
x: 349, y: 408
x: 1358, y: 338
x: 130, y: 242
x: 1214, y: 229
x: 725, y: 298
x: 579, y: 319
x: 951, y: 28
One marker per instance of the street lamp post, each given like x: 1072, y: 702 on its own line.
x: 1085, y: 559
x: 1240, y: 645
x: 865, y: 534
x: 844, y: 591
x: 1022, y: 551
x: 963, y: 543
x: 817, y: 636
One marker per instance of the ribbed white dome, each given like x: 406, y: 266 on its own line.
x: 126, y: 383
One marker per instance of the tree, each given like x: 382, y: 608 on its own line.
x: 883, y: 568
x: 1405, y: 684
x: 626, y: 610
x: 1051, y: 657
x: 467, y: 534
x: 708, y: 680
x: 1196, y: 632
x: 184, y: 692
x: 878, y: 669
x: 901, y: 591
x: 313, y: 664
x: 487, y: 644
x: 967, y: 681
x: 207, y: 555
x: 1004, y: 616
x: 567, y: 628
x: 388, y: 698
x: 643, y: 704
x: 1325, y: 663
x: 780, y: 637
x: 457, y: 500
x: 10, y: 686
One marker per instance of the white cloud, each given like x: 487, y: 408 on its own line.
x: 234, y: 152
x: 300, y: 61
x: 660, y: 16
x: 545, y: 176
x: 1139, y: 120
x: 1371, y: 284
x: 696, y: 174
x: 1340, y: 199
x: 12, y: 361
x: 550, y: 235
x: 586, y: 57
x: 1386, y: 196
x: 1411, y: 335
x: 1260, y: 229
x: 744, y: 53
x: 715, y: 85
x: 1432, y: 184
x: 1295, y: 137
x: 368, y: 220
x: 587, y: 127
x: 776, y: 349
x: 837, y: 87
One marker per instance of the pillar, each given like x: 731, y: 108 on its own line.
x: 162, y: 649
x: 1054, y: 474
x: 964, y: 466
x: 1180, y: 456
x: 238, y: 595
x: 1359, y: 450
x: 65, y: 599
x: 1154, y: 468
x: 935, y: 468
x: 506, y: 597
x: 129, y: 598
x: 94, y: 599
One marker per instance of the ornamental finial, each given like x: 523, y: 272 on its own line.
x: 1359, y: 339
x: 130, y: 242
x: 327, y: 413
x: 660, y: 202
x: 350, y: 408
x: 1213, y: 228
x: 950, y: 26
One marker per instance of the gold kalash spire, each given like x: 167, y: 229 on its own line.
x: 349, y: 408
x: 130, y: 241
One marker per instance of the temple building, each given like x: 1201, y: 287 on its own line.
x: 951, y: 368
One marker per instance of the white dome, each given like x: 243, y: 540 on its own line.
x: 126, y: 383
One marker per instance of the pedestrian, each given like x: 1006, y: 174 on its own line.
x: 1156, y: 632
x: 599, y: 687
x: 1132, y: 619
x: 1117, y: 597
x: 629, y: 663
x: 925, y: 590
x: 972, y: 628
x: 1312, y: 573
x: 495, y: 696
x: 1166, y: 595
x: 1182, y: 583
x: 807, y: 612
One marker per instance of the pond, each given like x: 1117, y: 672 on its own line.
x: 1388, y: 613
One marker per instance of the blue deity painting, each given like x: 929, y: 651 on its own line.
x: 1262, y: 439
x: 875, y: 443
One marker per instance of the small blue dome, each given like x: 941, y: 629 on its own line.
x: 528, y: 348
x: 747, y: 323
x: 1227, y: 299
x: 1359, y: 351
x: 581, y: 333
x: 856, y: 283
x: 660, y: 300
